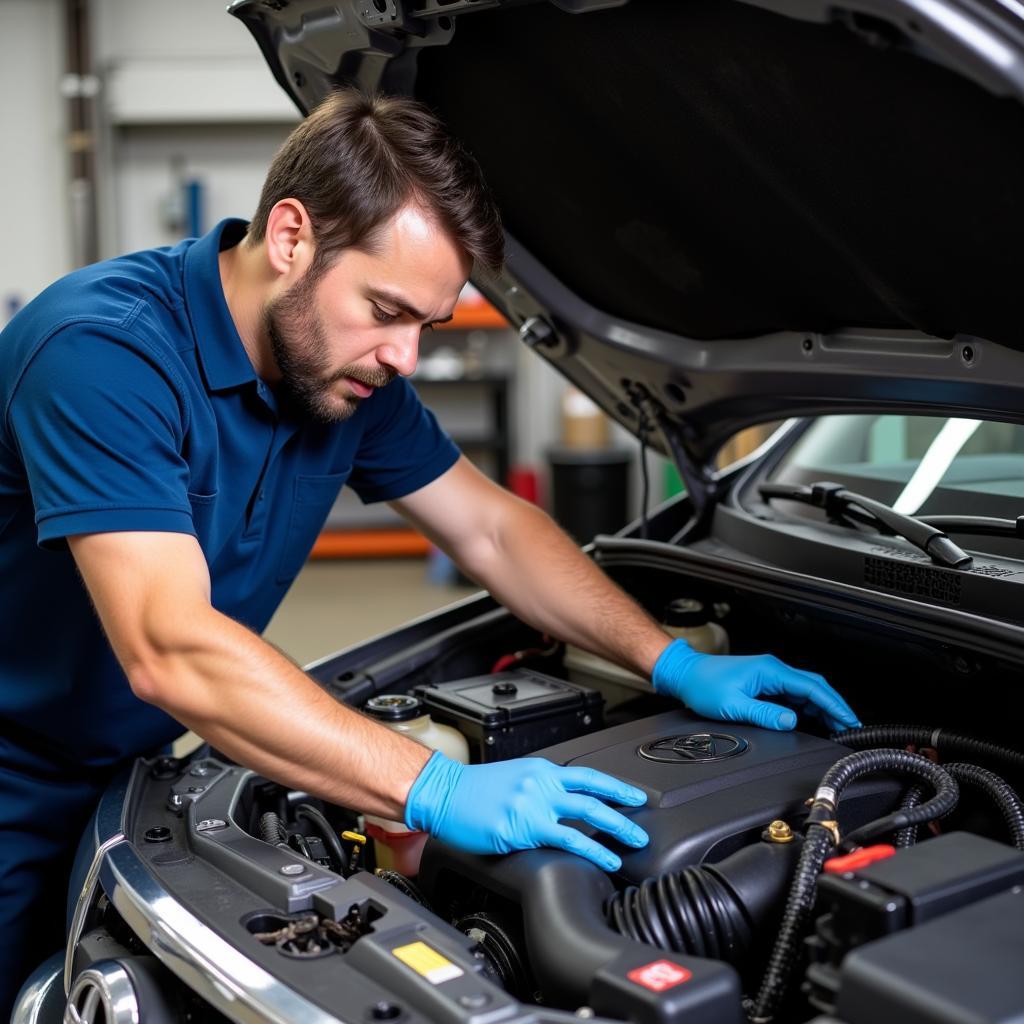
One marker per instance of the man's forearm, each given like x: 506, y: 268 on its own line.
x: 540, y: 574
x: 245, y: 698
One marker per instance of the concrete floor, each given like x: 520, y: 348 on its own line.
x: 335, y: 604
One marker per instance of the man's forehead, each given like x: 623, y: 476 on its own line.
x: 414, y: 235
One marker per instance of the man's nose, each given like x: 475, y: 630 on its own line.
x: 401, y: 350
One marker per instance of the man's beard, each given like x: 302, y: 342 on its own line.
x: 299, y: 345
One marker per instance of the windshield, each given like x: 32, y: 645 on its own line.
x: 917, y: 464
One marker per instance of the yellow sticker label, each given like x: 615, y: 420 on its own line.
x: 427, y: 962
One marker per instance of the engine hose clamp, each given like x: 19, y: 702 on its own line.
x: 832, y: 827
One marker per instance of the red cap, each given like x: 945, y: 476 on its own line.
x: 858, y: 859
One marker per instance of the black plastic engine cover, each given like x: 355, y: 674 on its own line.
x: 720, y: 785
x: 714, y: 796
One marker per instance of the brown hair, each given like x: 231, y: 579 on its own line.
x: 357, y: 159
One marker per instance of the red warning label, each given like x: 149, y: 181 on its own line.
x: 660, y: 975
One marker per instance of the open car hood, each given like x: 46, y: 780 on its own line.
x: 723, y: 212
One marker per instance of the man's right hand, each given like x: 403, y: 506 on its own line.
x: 518, y: 805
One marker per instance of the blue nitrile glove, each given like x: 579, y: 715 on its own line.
x: 517, y: 805
x: 726, y: 687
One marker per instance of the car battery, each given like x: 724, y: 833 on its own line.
x: 510, y: 714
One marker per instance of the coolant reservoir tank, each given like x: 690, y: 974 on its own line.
x: 396, y: 846
x: 687, y: 619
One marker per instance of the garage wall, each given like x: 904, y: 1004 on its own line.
x: 33, y: 172
x: 185, y: 96
x: 187, y: 99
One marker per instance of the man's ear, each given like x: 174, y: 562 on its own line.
x: 289, y: 239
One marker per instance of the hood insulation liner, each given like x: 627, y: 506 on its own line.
x: 718, y: 171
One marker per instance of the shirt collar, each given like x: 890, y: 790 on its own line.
x: 224, y: 360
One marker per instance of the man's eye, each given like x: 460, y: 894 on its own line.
x: 383, y: 315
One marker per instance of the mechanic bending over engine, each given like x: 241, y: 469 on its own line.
x: 177, y: 424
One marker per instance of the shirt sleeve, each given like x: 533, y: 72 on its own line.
x: 403, y: 447
x: 100, y: 423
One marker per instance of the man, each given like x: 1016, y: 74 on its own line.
x: 176, y: 425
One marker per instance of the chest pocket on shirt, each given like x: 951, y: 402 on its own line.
x: 312, y: 499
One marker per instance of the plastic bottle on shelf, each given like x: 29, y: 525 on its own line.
x: 687, y: 619
x: 397, y: 847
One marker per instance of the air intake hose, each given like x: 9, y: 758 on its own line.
x: 715, y: 910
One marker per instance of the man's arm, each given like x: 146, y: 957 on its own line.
x: 535, y: 570
x: 532, y: 567
x: 152, y: 593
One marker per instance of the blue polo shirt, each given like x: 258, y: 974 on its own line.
x: 127, y: 402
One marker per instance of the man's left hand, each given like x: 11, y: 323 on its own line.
x: 727, y: 687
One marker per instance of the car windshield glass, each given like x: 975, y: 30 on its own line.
x: 919, y: 465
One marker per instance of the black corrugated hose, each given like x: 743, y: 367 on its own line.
x: 822, y: 836
x: 908, y: 836
x: 712, y: 910
x: 271, y: 829
x: 951, y: 744
x: 998, y: 789
x: 689, y: 911
x: 403, y: 884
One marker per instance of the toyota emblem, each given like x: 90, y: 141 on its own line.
x: 693, y: 748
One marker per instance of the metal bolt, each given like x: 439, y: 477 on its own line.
x: 197, y: 789
x: 535, y: 333
x: 175, y: 801
x: 780, y: 832
x: 585, y: 1012
x: 164, y: 768
x: 489, y: 741
x: 211, y: 824
x: 292, y: 869
x: 587, y: 719
x: 201, y: 770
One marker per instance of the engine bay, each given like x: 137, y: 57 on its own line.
x: 788, y: 875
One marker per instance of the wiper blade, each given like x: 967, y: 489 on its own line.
x: 985, y: 526
x: 840, y: 504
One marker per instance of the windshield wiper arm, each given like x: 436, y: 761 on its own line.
x: 839, y: 503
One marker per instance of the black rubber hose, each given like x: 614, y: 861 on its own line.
x: 907, y: 837
x: 327, y: 833
x: 942, y: 803
x: 817, y: 846
x: 271, y: 829
x: 821, y: 837
x: 1001, y: 793
x: 952, y: 744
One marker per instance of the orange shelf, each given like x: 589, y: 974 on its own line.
x: 474, y: 316
x: 396, y: 543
